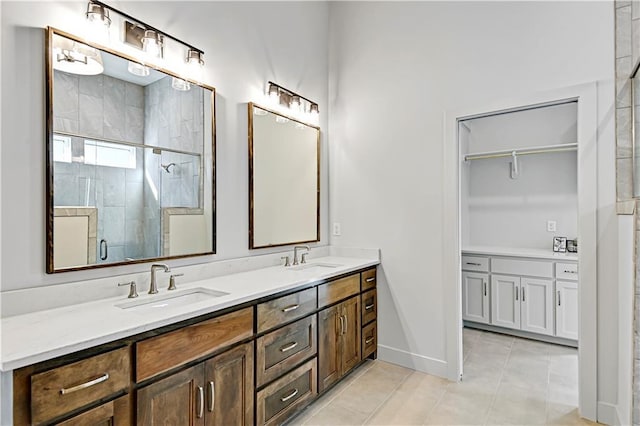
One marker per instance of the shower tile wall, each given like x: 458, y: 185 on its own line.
x: 102, y: 107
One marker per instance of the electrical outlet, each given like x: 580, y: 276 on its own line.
x: 551, y: 226
x: 336, y: 229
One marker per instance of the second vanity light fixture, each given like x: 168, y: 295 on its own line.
x: 299, y: 104
x: 144, y: 37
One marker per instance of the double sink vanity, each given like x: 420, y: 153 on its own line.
x: 245, y: 348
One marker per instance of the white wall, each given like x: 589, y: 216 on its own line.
x: 245, y: 45
x: 394, y: 69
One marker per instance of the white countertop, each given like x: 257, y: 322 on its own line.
x: 46, y: 334
x: 520, y: 252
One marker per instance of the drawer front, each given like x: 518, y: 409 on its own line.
x: 282, y: 349
x: 533, y: 268
x: 287, y: 308
x: 475, y: 263
x: 161, y: 353
x: 369, y: 306
x: 369, y: 339
x: 337, y: 290
x: 63, y: 389
x: 368, y: 279
x: 285, y: 396
x: 567, y: 271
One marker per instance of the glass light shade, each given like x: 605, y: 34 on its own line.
x: 259, y: 111
x: 99, y: 22
x: 294, y: 103
x: 194, y: 64
x: 138, y: 69
x: 180, y: 84
x: 273, y: 93
x: 76, y: 58
x: 152, y: 43
x: 281, y: 120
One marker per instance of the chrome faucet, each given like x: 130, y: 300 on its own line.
x: 295, y: 253
x: 153, y: 286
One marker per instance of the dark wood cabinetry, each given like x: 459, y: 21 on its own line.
x: 112, y: 413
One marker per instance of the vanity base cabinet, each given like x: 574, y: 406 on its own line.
x: 339, y: 341
x: 112, y: 413
x: 567, y: 309
x: 536, y: 305
x: 475, y: 297
x: 505, y: 301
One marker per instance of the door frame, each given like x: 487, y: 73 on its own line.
x: 586, y: 97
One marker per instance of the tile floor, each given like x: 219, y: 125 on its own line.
x: 507, y: 380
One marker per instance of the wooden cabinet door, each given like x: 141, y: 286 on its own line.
x: 229, y: 387
x: 505, y: 301
x: 536, y: 305
x: 567, y: 309
x: 328, y: 349
x: 350, y: 338
x: 112, y: 413
x: 475, y: 297
x: 176, y: 400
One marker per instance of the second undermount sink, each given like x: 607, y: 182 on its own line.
x: 172, y: 299
x: 316, y: 267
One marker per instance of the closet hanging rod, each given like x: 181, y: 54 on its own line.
x: 522, y: 151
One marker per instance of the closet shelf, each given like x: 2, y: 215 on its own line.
x: 522, y: 151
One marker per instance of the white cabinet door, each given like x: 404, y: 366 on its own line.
x: 475, y: 297
x: 567, y: 309
x: 536, y: 305
x: 505, y: 301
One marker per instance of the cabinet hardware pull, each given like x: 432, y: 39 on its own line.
x: 345, y: 325
x: 212, y: 395
x: 370, y: 280
x: 473, y: 264
x: 341, y: 325
x: 367, y: 307
x: 288, y: 347
x: 558, y: 297
x: 200, y: 402
x: 291, y: 395
x: 485, y: 287
x: 369, y: 340
x: 517, y: 293
x: 290, y: 308
x: 523, y: 294
x: 570, y: 272
x: 104, y: 250
x: 103, y: 378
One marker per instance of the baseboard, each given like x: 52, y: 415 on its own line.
x: 608, y: 413
x: 520, y: 333
x: 436, y: 367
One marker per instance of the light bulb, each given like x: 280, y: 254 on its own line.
x: 294, y: 103
x: 138, y: 69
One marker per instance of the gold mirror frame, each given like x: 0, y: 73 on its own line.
x: 252, y: 231
x: 50, y: 268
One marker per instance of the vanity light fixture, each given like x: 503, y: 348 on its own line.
x: 152, y: 43
x: 98, y: 18
x: 282, y: 96
x: 76, y: 58
x: 138, y: 69
x: 180, y: 84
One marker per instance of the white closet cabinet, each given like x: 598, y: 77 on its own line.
x: 567, y: 309
x: 536, y: 305
x: 505, y: 301
x: 475, y: 297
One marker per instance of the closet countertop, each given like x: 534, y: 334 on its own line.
x: 520, y: 252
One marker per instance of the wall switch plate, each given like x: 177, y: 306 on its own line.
x: 336, y: 228
x: 551, y: 226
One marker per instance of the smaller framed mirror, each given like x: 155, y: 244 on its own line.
x: 284, y: 180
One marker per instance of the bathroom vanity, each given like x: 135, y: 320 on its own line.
x: 257, y: 352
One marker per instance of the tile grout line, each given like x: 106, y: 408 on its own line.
x: 386, y: 399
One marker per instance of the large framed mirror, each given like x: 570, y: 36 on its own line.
x: 130, y: 159
x: 284, y: 180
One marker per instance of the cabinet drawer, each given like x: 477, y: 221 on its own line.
x: 475, y: 263
x: 63, y: 389
x: 282, y: 349
x: 369, y: 339
x: 115, y: 412
x: 369, y: 306
x: 368, y: 279
x: 567, y: 271
x: 532, y: 268
x: 169, y: 350
x: 287, y: 308
x: 337, y: 290
x: 286, y: 395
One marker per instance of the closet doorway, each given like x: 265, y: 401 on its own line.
x: 521, y: 178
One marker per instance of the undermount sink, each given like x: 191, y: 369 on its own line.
x: 317, y: 266
x: 172, y: 300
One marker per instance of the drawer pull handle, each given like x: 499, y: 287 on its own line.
x: 200, y: 402
x: 103, y: 378
x: 570, y: 272
x: 558, y: 297
x: 370, y: 280
x: 212, y: 395
x: 474, y: 264
x: 369, y: 340
x: 288, y: 347
x: 523, y: 294
x: 291, y: 395
x: 345, y: 324
x: 290, y: 308
x: 367, y: 307
x: 341, y: 324
x: 484, y: 284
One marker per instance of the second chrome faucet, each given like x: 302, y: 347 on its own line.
x: 153, y: 286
